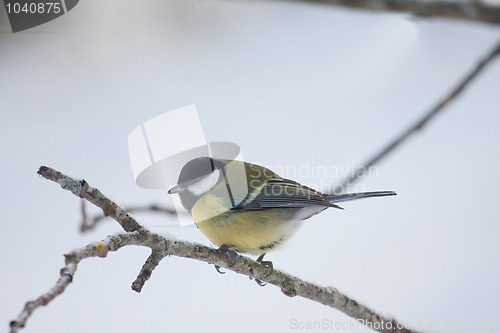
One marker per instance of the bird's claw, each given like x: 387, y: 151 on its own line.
x: 232, y: 254
x: 268, y: 264
x: 260, y: 282
x: 217, y: 268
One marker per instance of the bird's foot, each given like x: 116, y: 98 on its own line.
x: 268, y: 264
x: 232, y: 254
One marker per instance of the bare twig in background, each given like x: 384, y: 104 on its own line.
x: 440, y: 106
x: 161, y: 247
x: 457, y: 9
x: 89, y: 223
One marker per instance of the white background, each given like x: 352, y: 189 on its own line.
x: 293, y: 85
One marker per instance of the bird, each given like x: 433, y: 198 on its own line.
x: 247, y: 208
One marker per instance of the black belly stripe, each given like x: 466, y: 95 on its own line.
x: 271, y: 246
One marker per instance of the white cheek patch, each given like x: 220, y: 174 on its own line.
x: 205, y: 184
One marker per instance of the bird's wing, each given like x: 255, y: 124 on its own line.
x: 284, y: 193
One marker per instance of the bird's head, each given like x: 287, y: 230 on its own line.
x: 196, y: 178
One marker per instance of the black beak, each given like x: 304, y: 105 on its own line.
x: 176, y: 189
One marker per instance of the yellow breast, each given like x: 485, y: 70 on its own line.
x: 252, y: 232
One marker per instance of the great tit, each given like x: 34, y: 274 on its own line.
x: 248, y: 208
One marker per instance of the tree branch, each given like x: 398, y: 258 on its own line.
x: 100, y: 249
x: 162, y: 247
x: 83, y: 190
x: 419, y: 124
x: 466, y: 10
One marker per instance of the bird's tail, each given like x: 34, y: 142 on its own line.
x: 354, y: 196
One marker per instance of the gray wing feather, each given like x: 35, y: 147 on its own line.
x: 284, y: 193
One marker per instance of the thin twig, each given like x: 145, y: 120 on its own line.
x: 82, y: 189
x: 418, y: 125
x: 89, y: 223
x: 467, y: 10
x: 162, y: 247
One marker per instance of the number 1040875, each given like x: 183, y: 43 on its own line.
x: 33, y: 8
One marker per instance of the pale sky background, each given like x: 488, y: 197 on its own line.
x: 293, y: 85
